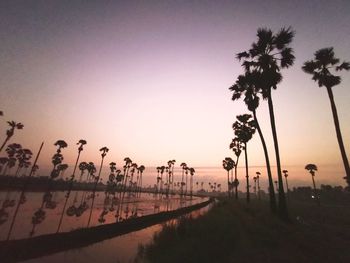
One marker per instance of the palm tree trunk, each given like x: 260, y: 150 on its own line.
x: 273, y: 205
x: 246, y: 171
x: 339, y: 136
x: 228, y: 183
x: 4, y: 143
x: 236, y: 184
x: 282, y: 204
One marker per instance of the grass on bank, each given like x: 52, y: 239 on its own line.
x: 236, y: 232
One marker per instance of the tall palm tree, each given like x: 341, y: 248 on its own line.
x: 321, y: 69
x: 267, y: 56
x: 104, y: 151
x: 312, y: 168
x: 237, y: 146
x: 141, y: 169
x: 248, y: 85
x: 244, y: 129
x: 228, y: 165
x: 10, y: 132
x: 81, y: 143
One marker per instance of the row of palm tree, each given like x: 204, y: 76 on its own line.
x: 262, y: 65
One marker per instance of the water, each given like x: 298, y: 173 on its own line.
x: 104, y: 211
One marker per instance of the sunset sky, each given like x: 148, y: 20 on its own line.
x: 150, y: 79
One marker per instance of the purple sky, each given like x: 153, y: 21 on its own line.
x: 149, y: 79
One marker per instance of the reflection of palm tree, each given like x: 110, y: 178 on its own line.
x: 244, y: 129
x: 9, y: 133
x: 325, y: 60
x: 312, y: 168
x: 103, y: 151
x: 248, y: 85
x: 268, y: 56
x: 81, y: 143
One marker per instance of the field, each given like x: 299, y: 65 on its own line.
x: 238, y: 232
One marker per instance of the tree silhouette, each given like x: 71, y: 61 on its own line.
x: 285, y: 173
x: 10, y: 132
x: 244, y: 129
x: 183, y: 166
x: 237, y: 146
x: 267, y: 56
x: 228, y: 164
x: 312, y: 168
x: 247, y: 85
x: 258, y: 180
x: 192, y: 171
x: 320, y: 68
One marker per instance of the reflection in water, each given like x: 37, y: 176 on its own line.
x: 119, y: 249
x: 39, y: 211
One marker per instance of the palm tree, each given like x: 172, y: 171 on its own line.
x: 141, y: 169
x: 11, y: 151
x: 285, y: 173
x: 268, y: 56
x: 104, y: 151
x: 255, y: 180
x: 81, y: 143
x: 192, y: 171
x: 258, y: 180
x: 312, y: 168
x: 183, y: 166
x: 23, y: 156
x: 10, y: 132
x: 244, y: 129
x: 237, y: 146
x: 320, y: 68
x: 228, y: 165
x: 248, y: 85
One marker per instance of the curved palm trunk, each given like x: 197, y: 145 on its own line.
x: 339, y: 136
x: 282, y: 204
x: 273, y: 205
x: 236, y: 184
x: 246, y: 171
x: 4, y: 143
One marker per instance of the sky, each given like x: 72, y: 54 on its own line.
x: 150, y: 79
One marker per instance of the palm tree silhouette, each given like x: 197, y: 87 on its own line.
x: 268, y: 56
x: 104, y: 151
x: 81, y: 143
x: 312, y: 168
x: 141, y: 169
x: 192, y: 171
x: 244, y: 129
x: 183, y: 166
x: 258, y: 180
x: 10, y: 132
x: 248, y: 85
x: 237, y: 146
x: 228, y: 165
x: 285, y: 173
x: 320, y: 68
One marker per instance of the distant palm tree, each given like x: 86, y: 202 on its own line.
x: 11, y: 151
x: 320, y: 68
x: 141, y: 169
x: 267, y: 56
x: 285, y: 173
x: 104, y: 151
x: 183, y: 166
x: 255, y: 181
x: 23, y: 156
x: 228, y: 165
x: 9, y: 133
x: 192, y: 171
x: 237, y: 146
x: 248, y: 85
x: 312, y: 168
x: 258, y: 180
x: 244, y: 129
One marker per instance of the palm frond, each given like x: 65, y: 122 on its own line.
x: 345, y: 65
x: 283, y: 38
